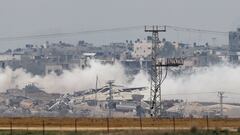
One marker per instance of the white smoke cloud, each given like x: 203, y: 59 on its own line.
x: 69, y: 81
x: 211, y: 79
x: 204, y: 83
x: 140, y: 80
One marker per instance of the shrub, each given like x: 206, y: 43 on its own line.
x: 193, y: 129
x: 225, y: 131
x: 216, y: 131
x: 238, y: 130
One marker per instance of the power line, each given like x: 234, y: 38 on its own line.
x: 196, y: 93
x: 232, y: 98
x: 177, y: 28
x: 235, y: 93
x: 70, y: 33
x: 66, y: 34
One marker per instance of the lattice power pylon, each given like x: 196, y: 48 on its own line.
x: 110, y: 98
x: 157, y: 75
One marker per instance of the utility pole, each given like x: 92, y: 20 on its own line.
x: 110, y: 99
x: 220, y: 94
x: 157, y: 75
x: 96, y: 89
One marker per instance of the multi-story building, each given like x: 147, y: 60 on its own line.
x: 234, y: 45
x: 142, y: 49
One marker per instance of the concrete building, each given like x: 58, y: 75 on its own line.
x: 142, y: 49
x: 198, y: 110
x: 26, y: 103
x: 58, y: 69
x: 234, y: 45
x: 8, y: 57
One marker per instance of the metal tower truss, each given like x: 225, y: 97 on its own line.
x: 158, y: 70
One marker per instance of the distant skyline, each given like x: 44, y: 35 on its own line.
x: 28, y: 17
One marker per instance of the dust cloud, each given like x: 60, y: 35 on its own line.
x: 204, y: 80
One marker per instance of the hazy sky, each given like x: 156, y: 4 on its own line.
x: 27, y: 17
